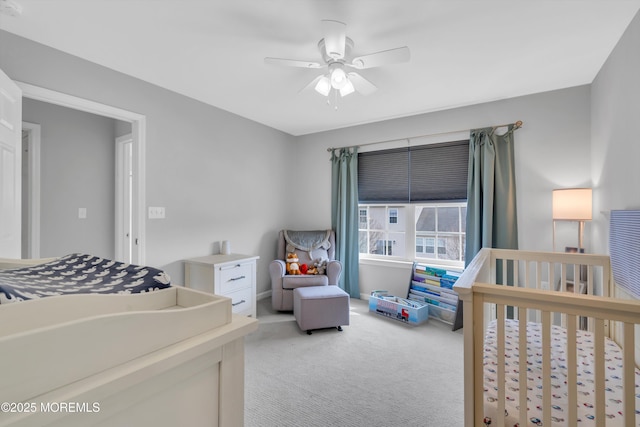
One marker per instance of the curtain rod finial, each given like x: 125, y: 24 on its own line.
x: 519, y: 124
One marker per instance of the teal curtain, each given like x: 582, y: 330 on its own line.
x: 344, y: 215
x: 491, y: 199
x: 491, y: 192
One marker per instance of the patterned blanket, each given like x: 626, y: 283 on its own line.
x: 79, y: 274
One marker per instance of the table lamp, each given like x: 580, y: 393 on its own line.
x: 572, y: 204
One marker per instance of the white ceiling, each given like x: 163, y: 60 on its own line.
x: 462, y: 52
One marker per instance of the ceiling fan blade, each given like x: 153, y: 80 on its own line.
x: 385, y: 57
x: 291, y: 63
x: 362, y: 85
x: 335, y: 38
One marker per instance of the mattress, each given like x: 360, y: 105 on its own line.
x: 585, y: 371
x: 79, y: 274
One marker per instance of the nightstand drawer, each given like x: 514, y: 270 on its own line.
x: 230, y: 275
x: 235, y: 277
x: 240, y: 300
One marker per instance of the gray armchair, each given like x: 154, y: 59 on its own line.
x: 312, y: 247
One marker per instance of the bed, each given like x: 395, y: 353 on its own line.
x: 574, y: 371
x: 158, y: 355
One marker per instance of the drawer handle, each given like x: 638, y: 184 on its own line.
x: 238, y: 303
x: 230, y: 267
x: 237, y: 278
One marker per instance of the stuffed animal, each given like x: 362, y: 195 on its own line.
x: 292, y: 263
x: 320, y: 265
x: 304, y: 268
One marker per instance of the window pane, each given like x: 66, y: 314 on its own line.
x: 363, y: 218
x: 376, y: 243
x: 463, y: 219
x: 397, y: 219
x: 362, y: 237
x: 393, y: 215
x: 396, y: 244
x: 464, y: 247
x: 377, y: 217
x: 425, y: 219
x: 448, y: 220
x: 451, y: 248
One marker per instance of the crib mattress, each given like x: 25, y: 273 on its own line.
x: 585, y: 370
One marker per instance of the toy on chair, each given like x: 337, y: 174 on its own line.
x: 292, y: 263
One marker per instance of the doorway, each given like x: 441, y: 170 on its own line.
x: 136, y: 210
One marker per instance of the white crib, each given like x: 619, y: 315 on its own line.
x: 541, y: 290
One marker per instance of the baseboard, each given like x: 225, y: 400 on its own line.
x: 263, y: 295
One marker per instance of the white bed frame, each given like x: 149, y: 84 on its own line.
x: 534, y: 300
x: 172, y: 357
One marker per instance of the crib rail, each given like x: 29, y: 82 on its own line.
x: 573, y: 306
x: 565, y: 289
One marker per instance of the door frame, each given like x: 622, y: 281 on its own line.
x: 124, y: 243
x: 33, y: 204
x: 138, y: 134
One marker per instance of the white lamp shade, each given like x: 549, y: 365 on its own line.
x: 572, y: 204
x: 324, y: 86
x: 347, y: 89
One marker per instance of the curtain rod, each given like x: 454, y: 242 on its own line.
x: 517, y: 125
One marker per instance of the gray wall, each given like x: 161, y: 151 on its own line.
x: 615, y: 109
x: 219, y: 176
x: 77, y: 170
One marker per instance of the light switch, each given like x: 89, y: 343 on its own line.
x: 82, y: 213
x: 156, y: 212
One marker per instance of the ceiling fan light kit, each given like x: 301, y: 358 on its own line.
x: 324, y: 86
x: 335, y: 48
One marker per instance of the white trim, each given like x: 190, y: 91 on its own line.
x: 33, y: 214
x: 138, y: 131
x: 121, y: 254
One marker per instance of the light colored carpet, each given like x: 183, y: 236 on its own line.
x: 377, y: 372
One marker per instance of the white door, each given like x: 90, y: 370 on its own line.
x: 10, y: 167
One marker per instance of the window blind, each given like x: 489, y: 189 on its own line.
x: 423, y: 173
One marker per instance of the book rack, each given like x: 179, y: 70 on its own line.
x: 434, y: 286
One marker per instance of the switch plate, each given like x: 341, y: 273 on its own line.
x: 82, y: 213
x: 156, y: 212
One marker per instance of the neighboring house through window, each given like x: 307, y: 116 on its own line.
x: 413, y: 202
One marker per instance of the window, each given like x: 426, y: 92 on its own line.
x: 379, y: 235
x: 430, y: 231
x: 440, y: 231
x: 413, y: 202
x: 393, y: 216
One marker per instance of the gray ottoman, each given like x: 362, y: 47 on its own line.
x: 318, y: 307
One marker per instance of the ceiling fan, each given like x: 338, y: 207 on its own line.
x: 335, y: 48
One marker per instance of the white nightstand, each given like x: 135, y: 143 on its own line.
x: 233, y: 276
